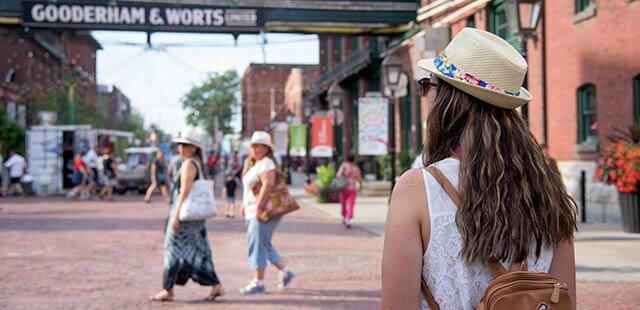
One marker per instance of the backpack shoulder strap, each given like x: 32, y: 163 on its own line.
x: 426, y: 292
x: 445, y: 183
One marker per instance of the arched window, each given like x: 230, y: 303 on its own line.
x: 587, y: 114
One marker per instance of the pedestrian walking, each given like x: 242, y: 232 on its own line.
x: 16, y: 165
x: 186, y: 247
x: 158, y: 175
x: 90, y: 158
x: 351, y: 172
x: 80, y: 178
x: 486, y: 200
x: 260, y: 170
x: 110, y: 169
x: 229, y: 192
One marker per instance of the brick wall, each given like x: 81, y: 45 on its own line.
x: 262, y: 83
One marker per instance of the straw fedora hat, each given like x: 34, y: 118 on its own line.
x: 484, y: 66
x: 262, y: 137
x: 189, y: 136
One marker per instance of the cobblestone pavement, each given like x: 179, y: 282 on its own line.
x: 56, y: 254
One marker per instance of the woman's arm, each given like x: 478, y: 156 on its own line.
x: 340, y: 170
x: 406, y: 231
x: 187, y: 174
x: 268, y: 180
x: 563, y: 267
x: 154, y: 168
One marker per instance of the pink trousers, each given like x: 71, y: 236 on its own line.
x: 348, y: 202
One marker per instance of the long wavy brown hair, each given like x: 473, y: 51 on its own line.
x: 511, y: 200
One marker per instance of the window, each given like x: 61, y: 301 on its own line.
x: 498, y: 19
x: 587, y: 115
x: 354, y: 43
x: 582, y: 5
x: 636, y: 96
x: 471, y: 21
x: 584, y: 9
x: 324, y: 54
x: 338, y: 49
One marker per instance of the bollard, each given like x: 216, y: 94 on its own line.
x: 583, y: 196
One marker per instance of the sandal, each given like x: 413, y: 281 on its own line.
x: 162, y: 296
x: 219, y: 292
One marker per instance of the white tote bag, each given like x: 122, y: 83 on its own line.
x: 200, y: 204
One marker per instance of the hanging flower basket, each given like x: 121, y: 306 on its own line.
x: 619, y: 165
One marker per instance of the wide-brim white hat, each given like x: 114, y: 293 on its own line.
x: 261, y: 137
x: 484, y: 66
x: 189, y: 136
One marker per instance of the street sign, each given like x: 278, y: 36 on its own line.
x: 141, y: 16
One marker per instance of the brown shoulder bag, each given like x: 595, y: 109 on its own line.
x: 517, y: 288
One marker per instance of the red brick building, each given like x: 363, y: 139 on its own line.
x: 35, y: 64
x: 114, y: 104
x: 263, y: 95
x: 584, y: 75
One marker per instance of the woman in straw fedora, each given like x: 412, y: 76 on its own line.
x: 511, y: 205
x: 186, y: 247
x: 260, y: 168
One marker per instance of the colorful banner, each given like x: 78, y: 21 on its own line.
x: 373, y: 126
x: 298, y: 140
x: 322, y: 136
x: 280, y: 137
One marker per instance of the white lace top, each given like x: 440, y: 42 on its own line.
x: 454, y: 283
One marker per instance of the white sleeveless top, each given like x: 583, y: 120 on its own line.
x: 454, y: 283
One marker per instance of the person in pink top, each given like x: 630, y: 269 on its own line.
x: 348, y: 194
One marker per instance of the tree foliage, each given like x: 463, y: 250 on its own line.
x: 214, y: 99
x: 11, y: 134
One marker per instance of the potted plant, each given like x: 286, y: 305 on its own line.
x: 325, y: 176
x: 619, y: 165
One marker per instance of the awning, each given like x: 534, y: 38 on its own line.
x: 461, y: 13
x: 438, y: 8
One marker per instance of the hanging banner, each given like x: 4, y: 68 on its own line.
x: 298, y: 138
x: 322, y: 136
x: 280, y: 137
x: 373, y: 126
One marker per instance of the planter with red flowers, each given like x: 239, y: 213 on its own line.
x: 619, y: 165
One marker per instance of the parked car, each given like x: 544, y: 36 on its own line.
x: 134, y: 173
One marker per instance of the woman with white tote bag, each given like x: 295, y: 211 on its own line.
x: 186, y: 247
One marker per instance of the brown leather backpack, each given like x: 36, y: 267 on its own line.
x: 517, y: 288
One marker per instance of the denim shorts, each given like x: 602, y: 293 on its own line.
x: 259, y: 247
x: 231, y: 199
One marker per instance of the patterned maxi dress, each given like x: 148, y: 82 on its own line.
x: 186, y: 252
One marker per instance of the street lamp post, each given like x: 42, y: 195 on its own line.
x: 334, y: 96
x: 523, y: 17
x: 289, y: 120
x: 307, y: 116
x: 392, y: 69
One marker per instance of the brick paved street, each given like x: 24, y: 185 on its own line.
x: 56, y: 254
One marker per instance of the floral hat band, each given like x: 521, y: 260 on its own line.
x: 447, y: 68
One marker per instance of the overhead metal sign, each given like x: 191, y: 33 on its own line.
x: 142, y: 16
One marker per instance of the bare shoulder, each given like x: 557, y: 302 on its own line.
x: 412, y: 179
x: 409, y: 192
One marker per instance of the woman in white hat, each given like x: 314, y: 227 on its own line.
x: 509, y: 205
x: 260, y: 168
x: 186, y: 247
